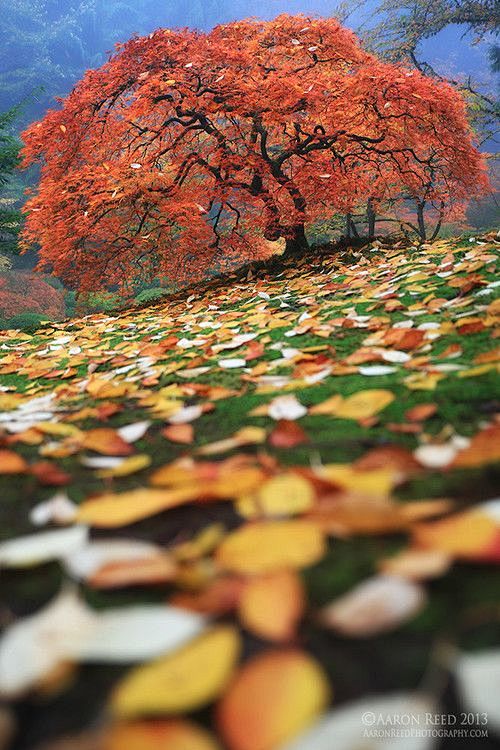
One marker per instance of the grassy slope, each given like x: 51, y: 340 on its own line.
x: 330, y: 290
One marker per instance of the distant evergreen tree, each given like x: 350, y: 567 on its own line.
x: 10, y: 216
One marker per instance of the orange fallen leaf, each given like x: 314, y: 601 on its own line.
x: 179, y: 433
x: 484, y: 449
x: 106, y: 441
x: 108, y: 511
x: 421, y: 412
x: 100, y: 388
x: 390, y: 456
x: 158, y: 568
x: 272, y: 699
x: 271, y: 605
x: 473, y: 534
x: 12, y: 463
x: 176, y: 734
x: 218, y: 598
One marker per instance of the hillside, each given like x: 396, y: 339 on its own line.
x: 264, y: 449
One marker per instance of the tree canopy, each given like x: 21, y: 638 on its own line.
x: 188, y: 151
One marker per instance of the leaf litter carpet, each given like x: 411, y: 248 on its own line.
x: 229, y: 518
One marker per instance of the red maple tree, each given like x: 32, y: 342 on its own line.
x: 23, y: 291
x: 187, y: 152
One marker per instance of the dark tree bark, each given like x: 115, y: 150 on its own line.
x: 296, y: 241
x: 371, y: 218
x: 421, y: 220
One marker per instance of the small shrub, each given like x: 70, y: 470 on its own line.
x: 98, y: 302
x: 29, y: 322
x: 150, y: 295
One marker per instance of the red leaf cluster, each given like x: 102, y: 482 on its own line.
x: 22, y: 291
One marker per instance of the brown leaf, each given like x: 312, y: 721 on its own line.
x: 287, y: 434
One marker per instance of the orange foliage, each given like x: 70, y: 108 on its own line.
x: 187, y: 152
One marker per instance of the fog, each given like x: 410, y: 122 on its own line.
x: 47, y: 44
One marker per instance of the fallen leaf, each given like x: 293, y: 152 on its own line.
x: 58, y: 509
x: 128, y: 466
x: 282, y: 495
x: 180, y: 682
x: 416, y: 564
x: 12, y: 463
x: 473, y: 534
x: 273, y: 697
x: 267, y: 546
x: 421, y: 412
x: 478, y: 681
x: 33, y: 648
x: 341, y: 728
x: 377, y: 605
x: 111, y: 510
x: 134, y: 633
x: 271, y: 605
x: 159, y: 734
x: 287, y: 434
x: 179, y: 433
x: 484, y: 449
x: 34, y: 549
x: 133, y: 432
x: 106, y: 441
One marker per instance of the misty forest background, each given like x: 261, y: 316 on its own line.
x: 48, y: 44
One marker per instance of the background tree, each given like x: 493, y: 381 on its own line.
x: 10, y: 214
x: 396, y: 30
x: 188, y: 152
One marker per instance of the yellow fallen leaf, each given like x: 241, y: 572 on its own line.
x: 358, y: 406
x: 267, y: 546
x: 272, y: 699
x: 107, y: 511
x: 328, y: 407
x: 285, y: 494
x: 420, y: 381
x: 202, y: 544
x: 128, y: 466
x: 374, y: 482
x: 183, y: 681
x: 364, y: 404
x: 100, y: 388
x: 58, y: 429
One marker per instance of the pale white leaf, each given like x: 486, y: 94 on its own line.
x: 286, y: 407
x: 355, y: 725
x: 58, y: 509
x: 377, y: 605
x: 34, y: 549
x: 136, y: 633
x: 132, y: 432
x: 478, y: 680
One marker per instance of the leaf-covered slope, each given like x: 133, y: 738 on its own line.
x: 307, y: 454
